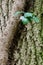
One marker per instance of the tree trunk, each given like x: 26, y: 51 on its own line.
x: 8, y: 25
x: 30, y: 45
x: 20, y: 45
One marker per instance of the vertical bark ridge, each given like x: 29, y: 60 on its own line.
x: 42, y: 22
x: 33, y: 42
x: 8, y: 31
x: 36, y: 30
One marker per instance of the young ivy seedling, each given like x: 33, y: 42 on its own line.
x: 27, y: 17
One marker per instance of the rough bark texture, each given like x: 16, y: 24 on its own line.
x: 8, y: 25
x: 30, y: 45
x: 20, y: 45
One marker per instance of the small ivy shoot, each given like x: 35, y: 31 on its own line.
x: 18, y: 12
x: 36, y: 19
x: 28, y: 14
x: 24, y: 20
x: 27, y: 17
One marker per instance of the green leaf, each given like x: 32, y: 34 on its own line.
x: 18, y: 12
x: 24, y: 20
x: 28, y: 14
x: 36, y: 19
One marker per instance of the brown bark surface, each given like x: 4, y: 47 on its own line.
x: 20, y: 45
x: 8, y: 25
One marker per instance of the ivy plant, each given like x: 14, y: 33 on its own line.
x: 27, y: 17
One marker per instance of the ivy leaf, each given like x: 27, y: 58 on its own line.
x: 18, y: 12
x: 36, y: 19
x: 28, y: 14
x: 24, y: 20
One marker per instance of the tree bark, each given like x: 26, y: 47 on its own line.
x: 30, y: 44
x: 8, y: 25
x: 20, y: 45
